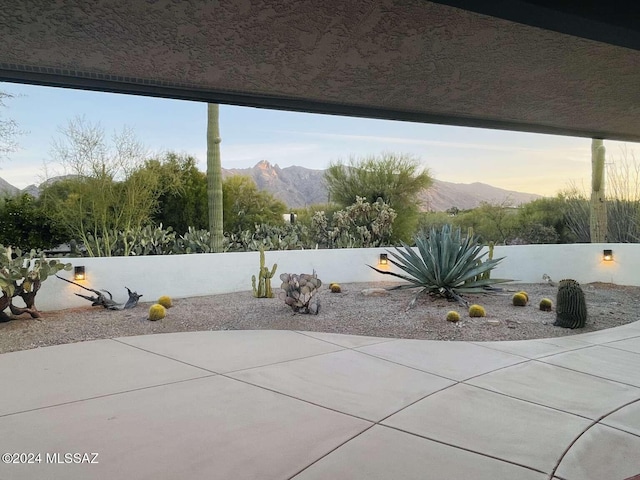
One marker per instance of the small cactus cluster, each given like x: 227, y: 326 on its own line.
x: 477, y: 311
x: 546, y: 304
x: 520, y: 299
x: 335, y: 287
x: 157, y: 312
x: 263, y: 288
x: 571, y: 307
x: 300, y: 292
x: 453, y: 316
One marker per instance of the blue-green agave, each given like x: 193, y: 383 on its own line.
x: 444, y: 264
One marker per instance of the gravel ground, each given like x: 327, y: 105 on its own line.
x: 348, y: 312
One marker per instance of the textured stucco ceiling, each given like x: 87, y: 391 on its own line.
x: 399, y: 59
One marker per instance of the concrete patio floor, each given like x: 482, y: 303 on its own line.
x: 306, y: 405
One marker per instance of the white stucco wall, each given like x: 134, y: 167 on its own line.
x: 206, y: 274
x: 582, y: 262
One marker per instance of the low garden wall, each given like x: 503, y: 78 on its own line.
x: 193, y: 275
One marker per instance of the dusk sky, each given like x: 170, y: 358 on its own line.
x: 543, y: 164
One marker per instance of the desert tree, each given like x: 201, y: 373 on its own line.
x: 105, y: 188
x: 183, y: 203
x: 246, y: 206
x: 397, y: 179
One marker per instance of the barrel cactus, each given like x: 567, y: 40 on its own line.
x: 524, y: 294
x: 571, y: 307
x: 157, y: 312
x: 477, y: 311
x: 520, y: 299
x: 546, y: 304
x: 335, y: 288
x: 165, y: 301
x: 453, y: 316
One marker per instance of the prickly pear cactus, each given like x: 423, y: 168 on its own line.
x: 21, y: 275
x: 263, y: 287
x: 571, y: 307
x: 300, y: 292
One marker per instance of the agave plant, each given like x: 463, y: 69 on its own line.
x: 445, y: 264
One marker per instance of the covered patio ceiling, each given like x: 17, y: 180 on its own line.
x: 535, y: 66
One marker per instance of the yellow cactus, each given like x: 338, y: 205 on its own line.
x: 477, y: 311
x: 519, y: 299
x: 165, y: 301
x: 157, y: 312
x: 546, y: 304
x: 453, y: 316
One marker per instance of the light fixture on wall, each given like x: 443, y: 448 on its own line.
x: 383, y: 259
x: 607, y: 255
x: 79, y: 273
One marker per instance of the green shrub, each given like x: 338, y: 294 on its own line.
x: 361, y: 224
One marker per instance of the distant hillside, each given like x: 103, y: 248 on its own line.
x: 301, y: 187
x: 444, y: 195
x: 7, y: 190
x: 34, y: 190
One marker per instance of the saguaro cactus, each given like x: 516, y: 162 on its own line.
x: 263, y: 287
x: 598, y: 215
x: 214, y: 178
x: 571, y: 307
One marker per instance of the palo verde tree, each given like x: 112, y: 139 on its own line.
x: 245, y: 206
x: 214, y: 178
x: 397, y: 179
x: 183, y: 203
x: 106, y: 189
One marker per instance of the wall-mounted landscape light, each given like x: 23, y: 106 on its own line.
x: 78, y: 273
x: 607, y: 255
x: 383, y: 259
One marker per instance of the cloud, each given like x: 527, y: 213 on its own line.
x: 425, y: 142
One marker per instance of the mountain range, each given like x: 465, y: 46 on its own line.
x: 300, y: 187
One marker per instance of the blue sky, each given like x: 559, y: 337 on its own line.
x: 534, y: 163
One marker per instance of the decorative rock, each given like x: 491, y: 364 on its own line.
x: 374, y: 292
x: 493, y: 322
